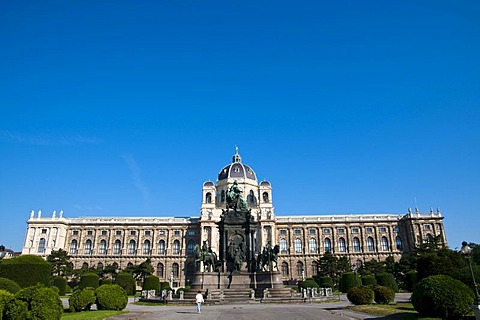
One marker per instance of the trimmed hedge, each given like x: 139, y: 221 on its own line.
x: 9, y: 285
x: 166, y: 286
x: 61, y: 284
x: 11, y: 308
x: 308, y: 283
x: 127, y: 282
x: 383, y: 295
x: 387, y: 280
x: 443, y: 297
x: 106, y: 281
x: 111, y: 297
x: 360, y: 295
x: 26, y: 270
x: 369, y: 280
x: 89, y: 280
x: 42, y: 302
x: 82, y: 299
x: 349, y: 280
x: 325, y: 282
x: 151, y: 283
x: 411, y: 280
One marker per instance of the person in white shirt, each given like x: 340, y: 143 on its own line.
x: 199, y: 300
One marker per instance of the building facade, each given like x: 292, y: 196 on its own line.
x: 170, y: 242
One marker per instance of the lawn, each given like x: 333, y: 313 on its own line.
x: 399, y: 311
x: 91, y: 315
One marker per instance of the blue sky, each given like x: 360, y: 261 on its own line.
x: 124, y: 108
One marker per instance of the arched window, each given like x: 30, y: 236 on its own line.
x: 115, y: 266
x: 103, y: 247
x: 298, y: 245
x: 73, y: 247
x: 283, y: 245
x: 146, y: 247
x: 300, y: 269
x: 117, y: 247
x: 132, y: 247
x: 208, y: 198
x: 312, y: 243
x: 398, y: 242
x: 175, y: 270
x: 314, y: 268
x: 129, y: 264
x: 370, y: 244
x: 251, y: 198
x: 160, y: 270
x: 190, y: 246
x: 265, y: 197
x: 342, y: 245
x: 176, y: 247
x: 85, y: 265
x: 327, y: 244
x: 161, y: 247
x: 285, y: 272
x: 356, y: 244
x: 99, y: 266
x: 41, y: 245
x: 88, y: 247
x: 222, y: 196
x: 384, y: 244
x: 358, y: 264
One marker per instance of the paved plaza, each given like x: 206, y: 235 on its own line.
x: 255, y: 311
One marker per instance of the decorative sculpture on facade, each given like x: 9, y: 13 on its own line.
x: 206, y: 255
x: 267, y: 260
x: 236, y: 254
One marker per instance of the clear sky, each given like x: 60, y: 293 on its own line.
x: 124, y: 108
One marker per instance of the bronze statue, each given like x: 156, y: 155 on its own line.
x: 268, y: 258
x: 206, y: 255
x: 236, y: 255
x: 235, y: 200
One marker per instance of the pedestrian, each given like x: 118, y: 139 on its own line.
x: 199, y: 300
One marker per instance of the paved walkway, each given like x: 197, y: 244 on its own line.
x: 261, y: 311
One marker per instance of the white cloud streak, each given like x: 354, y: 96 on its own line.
x: 60, y: 139
x: 135, y: 173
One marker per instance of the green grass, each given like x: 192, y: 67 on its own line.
x: 399, y: 311
x: 91, y: 315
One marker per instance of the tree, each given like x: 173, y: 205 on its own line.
x: 373, y: 267
x: 141, y: 271
x: 442, y: 261
x: 333, y: 267
x: 60, y: 261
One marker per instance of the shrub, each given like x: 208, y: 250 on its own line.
x: 387, y: 280
x: 383, y: 295
x: 166, y: 286
x: 9, y: 285
x: 369, y: 280
x: 360, y: 295
x: 127, y: 282
x: 151, y: 283
x: 11, y: 308
x: 68, y: 289
x: 410, y: 280
x: 349, y: 280
x: 61, y: 284
x: 106, y: 281
x: 442, y: 296
x: 325, y: 282
x: 82, y: 299
x: 89, y: 280
x: 111, y: 297
x: 308, y: 283
x: 26, y: 270
x: 42, y: 302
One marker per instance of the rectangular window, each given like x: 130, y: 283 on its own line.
x: 354, y: 230
x: 396, y: 229
x: 89, y: 232
x: 161, y: 232
x: 341, y: 231
x: 75, y: 232
x: 283, y: 232
x: 133, y: 232
x: 383, y: 229
x: 177, y: 232
x: 326, y: 231
x: 427, y: 227
x: 147, y: 232
x: 298, y: 231
x: 118, y: 233
x: 44, y: 231
x: 104, y: 232
x: 191, y: 232
x: 312, y: 231
x: 369, y: 230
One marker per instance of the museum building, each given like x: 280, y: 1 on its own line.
x: 170, y: 242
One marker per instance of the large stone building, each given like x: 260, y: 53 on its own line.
x: 170, y: 242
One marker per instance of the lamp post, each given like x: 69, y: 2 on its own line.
x: 467, y: 252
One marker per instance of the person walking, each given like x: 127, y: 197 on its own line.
x: 199, y: 300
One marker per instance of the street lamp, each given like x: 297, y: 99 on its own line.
x: 467, y: 252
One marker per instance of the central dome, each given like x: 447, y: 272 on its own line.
x: 237, y: 170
